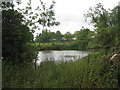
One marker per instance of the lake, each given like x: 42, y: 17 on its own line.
x: 58, y: 56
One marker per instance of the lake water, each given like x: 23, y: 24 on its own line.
x: 58, y: 56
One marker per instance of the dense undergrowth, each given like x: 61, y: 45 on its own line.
x: 93, y: 71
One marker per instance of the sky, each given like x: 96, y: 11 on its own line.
x: 70, y: 13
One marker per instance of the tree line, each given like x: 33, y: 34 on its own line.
x: 18, y: 30
x: 104, y: 36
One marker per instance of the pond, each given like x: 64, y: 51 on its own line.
x: 58, y: 56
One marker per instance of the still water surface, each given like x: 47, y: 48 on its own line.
x: 58, y: 56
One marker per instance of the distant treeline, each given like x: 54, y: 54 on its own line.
x: 78, y: 40
x: 106, y: 33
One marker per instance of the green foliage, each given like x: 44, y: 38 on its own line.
x: 74, y: 45
x: 16, y: 35
x: 50, y: 46
x: 106, y: 26
x: 41, y: 16
x: 58, y: 36
x: 47, y: 18
x: 30, y: 18
x: 89, y: 72
x: 98, y: 15
x: 68, y: 36
x: 48, y: 36
x: 18, y: 76
x: 84, y: 36
x: 45, y: 36
x: 19, y: 50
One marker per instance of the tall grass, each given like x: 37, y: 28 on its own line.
x: 89, y: 72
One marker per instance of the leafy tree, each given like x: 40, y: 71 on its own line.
x: 106, y: 26
x: 98, y: 16
x: 114, y: 24
x: 16, y: 37
x: 43, y: 16
x: 68, y: 36
x: 52, y: 36
x: 48, y: 36
x: 84, y: 36
x: 47, y: 18
x: 45, y: 36
x: 38, y: 39
x: 58, y: 36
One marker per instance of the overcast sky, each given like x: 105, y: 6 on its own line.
x: 70, y: 12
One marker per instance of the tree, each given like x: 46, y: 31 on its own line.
x: 84, y: 36
x: 48, y: 36
x: 47, y: 18
x: 114, y: 24
x: 58, y: 36
x: 43, y: 16
x: 98, y: 16
x: 16, y: 38
x: 106, y: 26
x: 52, y: 36
x: 68, y: 36
x: 45, y: 36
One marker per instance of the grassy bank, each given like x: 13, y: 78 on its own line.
x: 93, y: 71
x: 68, y: 45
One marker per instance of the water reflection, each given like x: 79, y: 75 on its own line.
x: 64, y: 55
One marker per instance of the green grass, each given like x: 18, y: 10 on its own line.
x: 74, y: 45
x: 89, y: 72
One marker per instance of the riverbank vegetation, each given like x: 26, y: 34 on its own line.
x: 56, y: 41
x: 20, y: 50
x: 93, y: 71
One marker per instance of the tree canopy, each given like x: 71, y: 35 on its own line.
x: 106, y: 25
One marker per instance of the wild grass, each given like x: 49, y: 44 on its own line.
x: 89, y: 72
